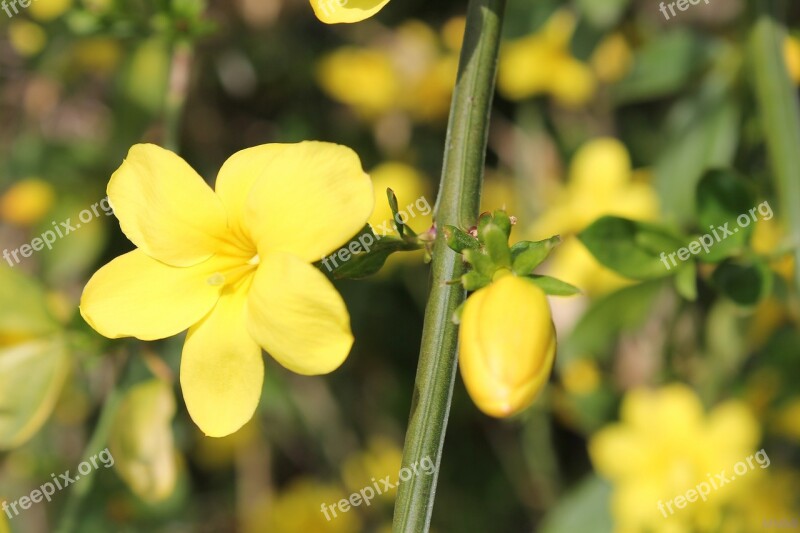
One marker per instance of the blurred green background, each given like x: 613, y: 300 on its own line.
x: 604, y: 107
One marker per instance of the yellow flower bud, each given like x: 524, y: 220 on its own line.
x: 507, y: 345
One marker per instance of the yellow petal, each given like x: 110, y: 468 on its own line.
x: 137, y: 296
x: 222, y: 370
x: 339, y: 11
x: 297, y: 316
x: 311, y: 198
x: 165, y: 208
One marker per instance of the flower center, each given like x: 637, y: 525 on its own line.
x: 234, y: 273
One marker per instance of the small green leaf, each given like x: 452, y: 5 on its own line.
x: 637, y: 250
x: 495, y: 242
x: 365, y: 254
x: 527, y: 255
x: 393, y: 205
x: 746, y: 282
x: 459, y: 240
x: 474, y: 280
x: 553, y: 286
x: 480, y: 262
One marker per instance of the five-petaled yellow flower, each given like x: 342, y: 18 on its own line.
x: 233, y: 265
x: 339, y: 11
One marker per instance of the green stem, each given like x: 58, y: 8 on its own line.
x: 780, y: 113
x: 178, y: 88
x: 457, y: 204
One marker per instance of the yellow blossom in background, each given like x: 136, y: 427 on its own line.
x: 412, y: 72
x: 98, y: 54
x: 296, y: 509
x: 381, y: 458
x: 791, y: 54
x: 665, y: 445
x: 233, y: 265
x: 542, y: 64
x: 27, y: 201
x: 601, y: 182
x: 27, y: 38
x: 507, y: 344
x: 580, y: 376
x: 46, y: 10
x: 612, y: 59
x: 346, y: 11
x: 362, y: 78
x: 4, y: 524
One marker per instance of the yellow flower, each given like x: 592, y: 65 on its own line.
x: 381, y: 458
x: 663, y: 447
x: 542, y: 64
x: 581, y: 376
x: 233, y: 266
x: 791, y: 54
x: 46, y: 10
x: 296, y: 509
x: 362, y: 78
x: 4, y: 524
x: 601, y: 182
x: 507, y: 345
x: 27, y: 201
x: 412, y: 72
x: 346, y: 11
x: 612, y: 59
x: 27, y: 38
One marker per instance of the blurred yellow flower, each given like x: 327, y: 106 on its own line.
x: 612, y: 59
x: 296, y: 509
x: 791, y: 53
x: 234, y: 266
x: 362, y: 78
x: 98, y: 54
x: 4, y: 524
x: 27, y: 201
x: 412, y: 72
x: 507, y: 344
x: 664, y: 446
x: 601, y: 182
x: 542, y: 64
x: 346, y: 11
x: 45, y: 10
x: 580, y: 376
x: 381, y: 458
x: 26, y: 38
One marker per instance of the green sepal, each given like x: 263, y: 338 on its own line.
x: 474, y: 280
x: 459, y: 240
x: 495, y: 242
x: 553, y: 286
x: 480, y: 262
x: 527, y: 255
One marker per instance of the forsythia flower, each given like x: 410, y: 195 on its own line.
x: 664, y: 446
x: 233, y: 266
x: 542, y: 64
x: 507, y: 345
x: 345, y: 11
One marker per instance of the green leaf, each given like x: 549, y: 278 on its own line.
x: 459, y: 240
x: 686, y: 281
x: 663, y: 66
x: 393, y: 205
x: 553, y: 286
x: 746, y: 282
x: 585, y: 508
x: 495, y: 241
x: 527, y: 255
x: 722, y: 196
x: 364, y: 254
x: 32, y: 375
x: 604, y: 14
x: 634, y: 249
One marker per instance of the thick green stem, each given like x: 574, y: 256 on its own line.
x: 457, y: 204
x: 780, y: 115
